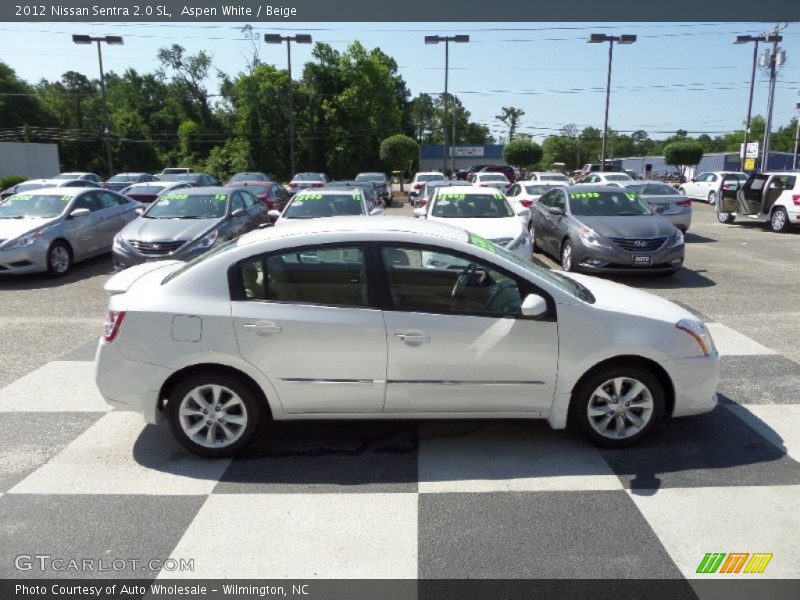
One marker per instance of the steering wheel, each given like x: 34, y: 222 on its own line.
x: 468, y: 276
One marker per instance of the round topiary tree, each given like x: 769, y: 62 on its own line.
x: 682, y: 155
x: 522, y: 153
x: 398, y: 151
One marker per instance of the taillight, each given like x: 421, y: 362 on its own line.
x: 417, y: 186
x: 686, y: 202
x: 292, y: 184
x: 318, y: 185
x: 796, y: 199
x: 422, y: 203
x: 113, y: 324
x: 527, y: 203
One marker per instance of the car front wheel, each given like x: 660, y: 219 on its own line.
x: 725, y: 218
x: 213, y: 415
x: 779, y: 221
x: 618, y: 406
x: 59, y: 259
x: 566, y: 256
x: 712, y: 198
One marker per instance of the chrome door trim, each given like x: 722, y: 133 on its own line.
x: 452, y: 382
x: 330, y: 381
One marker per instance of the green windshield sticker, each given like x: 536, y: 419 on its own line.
x: 175, y: 196
x: 498, y: 197
x: 452, y: 196
x: 66, y: 198
x: 482, y: 243
x: 221, y: 197
x: 310, y: 197
x: 356, y: 197
x: 586, y: 195
x: 22, y: 197
x: 631, y: 196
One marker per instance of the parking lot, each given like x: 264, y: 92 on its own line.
x: 428, y: 500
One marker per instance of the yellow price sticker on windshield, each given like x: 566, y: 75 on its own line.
x: 310, y: 197
x: 586, y: 195
x: 452, y: 196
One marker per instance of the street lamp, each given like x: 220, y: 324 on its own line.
x: 458, y: 39
x: 114, y: 40
x: 796, y: 137
x: 599, y: 38
x: 300, y: 38
x: 755, y: 39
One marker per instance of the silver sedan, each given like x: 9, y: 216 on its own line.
x: 50, y: 229
x: 670, y: 203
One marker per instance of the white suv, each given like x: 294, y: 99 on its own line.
x: 772, y: 198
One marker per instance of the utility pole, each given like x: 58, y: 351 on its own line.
x: 771, y: 61
x: 796, y: 138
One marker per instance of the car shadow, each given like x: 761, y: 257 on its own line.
x: 86, y: 269
x: 715, y: 449
x: 695, y: 238
x: 683, y: 278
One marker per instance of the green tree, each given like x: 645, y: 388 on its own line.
x: 522, y: 153
x: 19, y: 104
x: 399, y: 151
x: 510, y: 115
x: 683, y: 154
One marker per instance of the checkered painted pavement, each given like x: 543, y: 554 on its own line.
x: 476, y: 499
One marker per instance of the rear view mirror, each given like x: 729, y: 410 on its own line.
x: 79, y: 213
x: 419, y: 213
x: 533, y: 306
x: 556, y: 210
x: 274, y: 214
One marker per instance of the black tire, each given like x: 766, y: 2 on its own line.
x: 251, y: 407
x: 682, y: 191
x: 725, y: 218
x: 566, y: 256
x: 582, y: 395
x: 534, y: 245
x: 388, y: 202
x: 712, y: 198
x: 779, y: 221
x: 59, y: 259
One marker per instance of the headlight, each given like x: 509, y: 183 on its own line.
x: 699, y: 332
x: 207, y: 240
x: 590, y: 238
x: 27, y: 239
x: 677, y: 239
x: 522, y: 239
x: 118, y: 241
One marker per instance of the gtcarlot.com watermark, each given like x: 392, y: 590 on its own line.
x: 62, y: 564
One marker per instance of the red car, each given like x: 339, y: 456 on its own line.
x: 273, y: 195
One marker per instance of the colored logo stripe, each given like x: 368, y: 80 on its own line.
x: 758, y: 562
x: 711, y: 562
x: 735, y: 561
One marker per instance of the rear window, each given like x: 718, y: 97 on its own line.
x: 431, y: 177
x: 147, y: 190
x: 221, y: 249
x: 308, y: 177
x: 123, y: 178
x: 658, y: 189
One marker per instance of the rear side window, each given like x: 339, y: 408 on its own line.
x: 329, y: 276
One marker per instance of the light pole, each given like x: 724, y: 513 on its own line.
x: 112, y: 40
x: 771, y: 60
x: 599, y: 38
x: 458, y: 39
x: 300, y: 38
x: 796, y: 138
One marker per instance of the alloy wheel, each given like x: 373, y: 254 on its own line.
x: 212, y: 416
x: 59, y: 259
x: 620, y: 408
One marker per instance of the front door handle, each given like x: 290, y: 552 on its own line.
x: 413, y: 338
x: 263, y: 327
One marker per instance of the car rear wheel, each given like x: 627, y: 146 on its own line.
x: 712, y: 198
x: 619, y: 406
x: 682, y: 191
x: 534, y: 244
x: 59, y: 259
x: 566, y: 256
x: 725, y: 218
x: 213, y: 415
x: 779, y: 221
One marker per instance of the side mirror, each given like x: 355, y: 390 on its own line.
x: 523, y: 212
x: 79, y: 213
x: 377, y: 211
x: 238, y: 212
x: 265, y: 225
x: 274, y: 214
x: 419, y: 213
x: 556, y: 210
x: 533, y: 306
x: 139, y: 210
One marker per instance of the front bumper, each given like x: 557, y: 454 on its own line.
x: 129, y: 385
x: 31, y: 259
x: 617, y: 260
x: 695, y: 381
x: 125, y: 256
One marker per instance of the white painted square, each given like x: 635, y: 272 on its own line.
x: 777, y: 423
x: 58, y: 386
x: 302, y: 536
x: 521, y: 456
x: 690, y: 522
x: 109, y: 458
x: 730, y: 342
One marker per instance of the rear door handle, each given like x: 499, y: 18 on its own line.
x: 263, y: 327
x: 413, y: 338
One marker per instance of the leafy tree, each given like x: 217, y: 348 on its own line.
x: 399, y: 151
x: 683, y: 154
x: 511, y: 116
x: 19, y: 105
x: 522, y: 153
x: 562, y: 149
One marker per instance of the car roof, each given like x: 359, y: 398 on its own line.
x: 208, y: 189
x: 246, y: 182
x: 790, y: 172
x: 54, y: 191
x: 356, y: 224
x: 545, y: 182
x: 323, y: 190
x: 429, y: 173
x: 468, y: 189
x: 583, y: 187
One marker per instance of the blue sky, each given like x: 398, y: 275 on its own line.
x: 678, y: 75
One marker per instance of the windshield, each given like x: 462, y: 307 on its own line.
x: 249, y: 177
x: 563, y: 283
x: 123, y: 178
x: 68, y: 176
x: 607, y: 204
x: 24, y: 187
x: 33, y: 205
x: 458, y: 205
x: 494, y: 177
x: 258, y: 190
x: 314, y: 206
x: 619, y: 177
x: 176, y: 205
x: 538, y: 190
x: 308, y: 177
x: 148, y: 190
x: 656, y: 189
x: 380, y: 177
x: 554, y: 177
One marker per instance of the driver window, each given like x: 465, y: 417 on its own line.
x: 559, y: 201
x: 237, y: 202
x: 433, y: 280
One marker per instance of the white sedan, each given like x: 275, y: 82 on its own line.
x: 496, y: 180
x: 277, y: 323
x: 482, y: 211
x: 523, y: 194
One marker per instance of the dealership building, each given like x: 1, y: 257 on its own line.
x: 432, y: 156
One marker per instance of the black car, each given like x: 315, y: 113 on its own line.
x: 382, y: 184
x: 604, y: 229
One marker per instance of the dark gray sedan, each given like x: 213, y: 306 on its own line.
x: 604, y: 229
x: 183, y: 224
